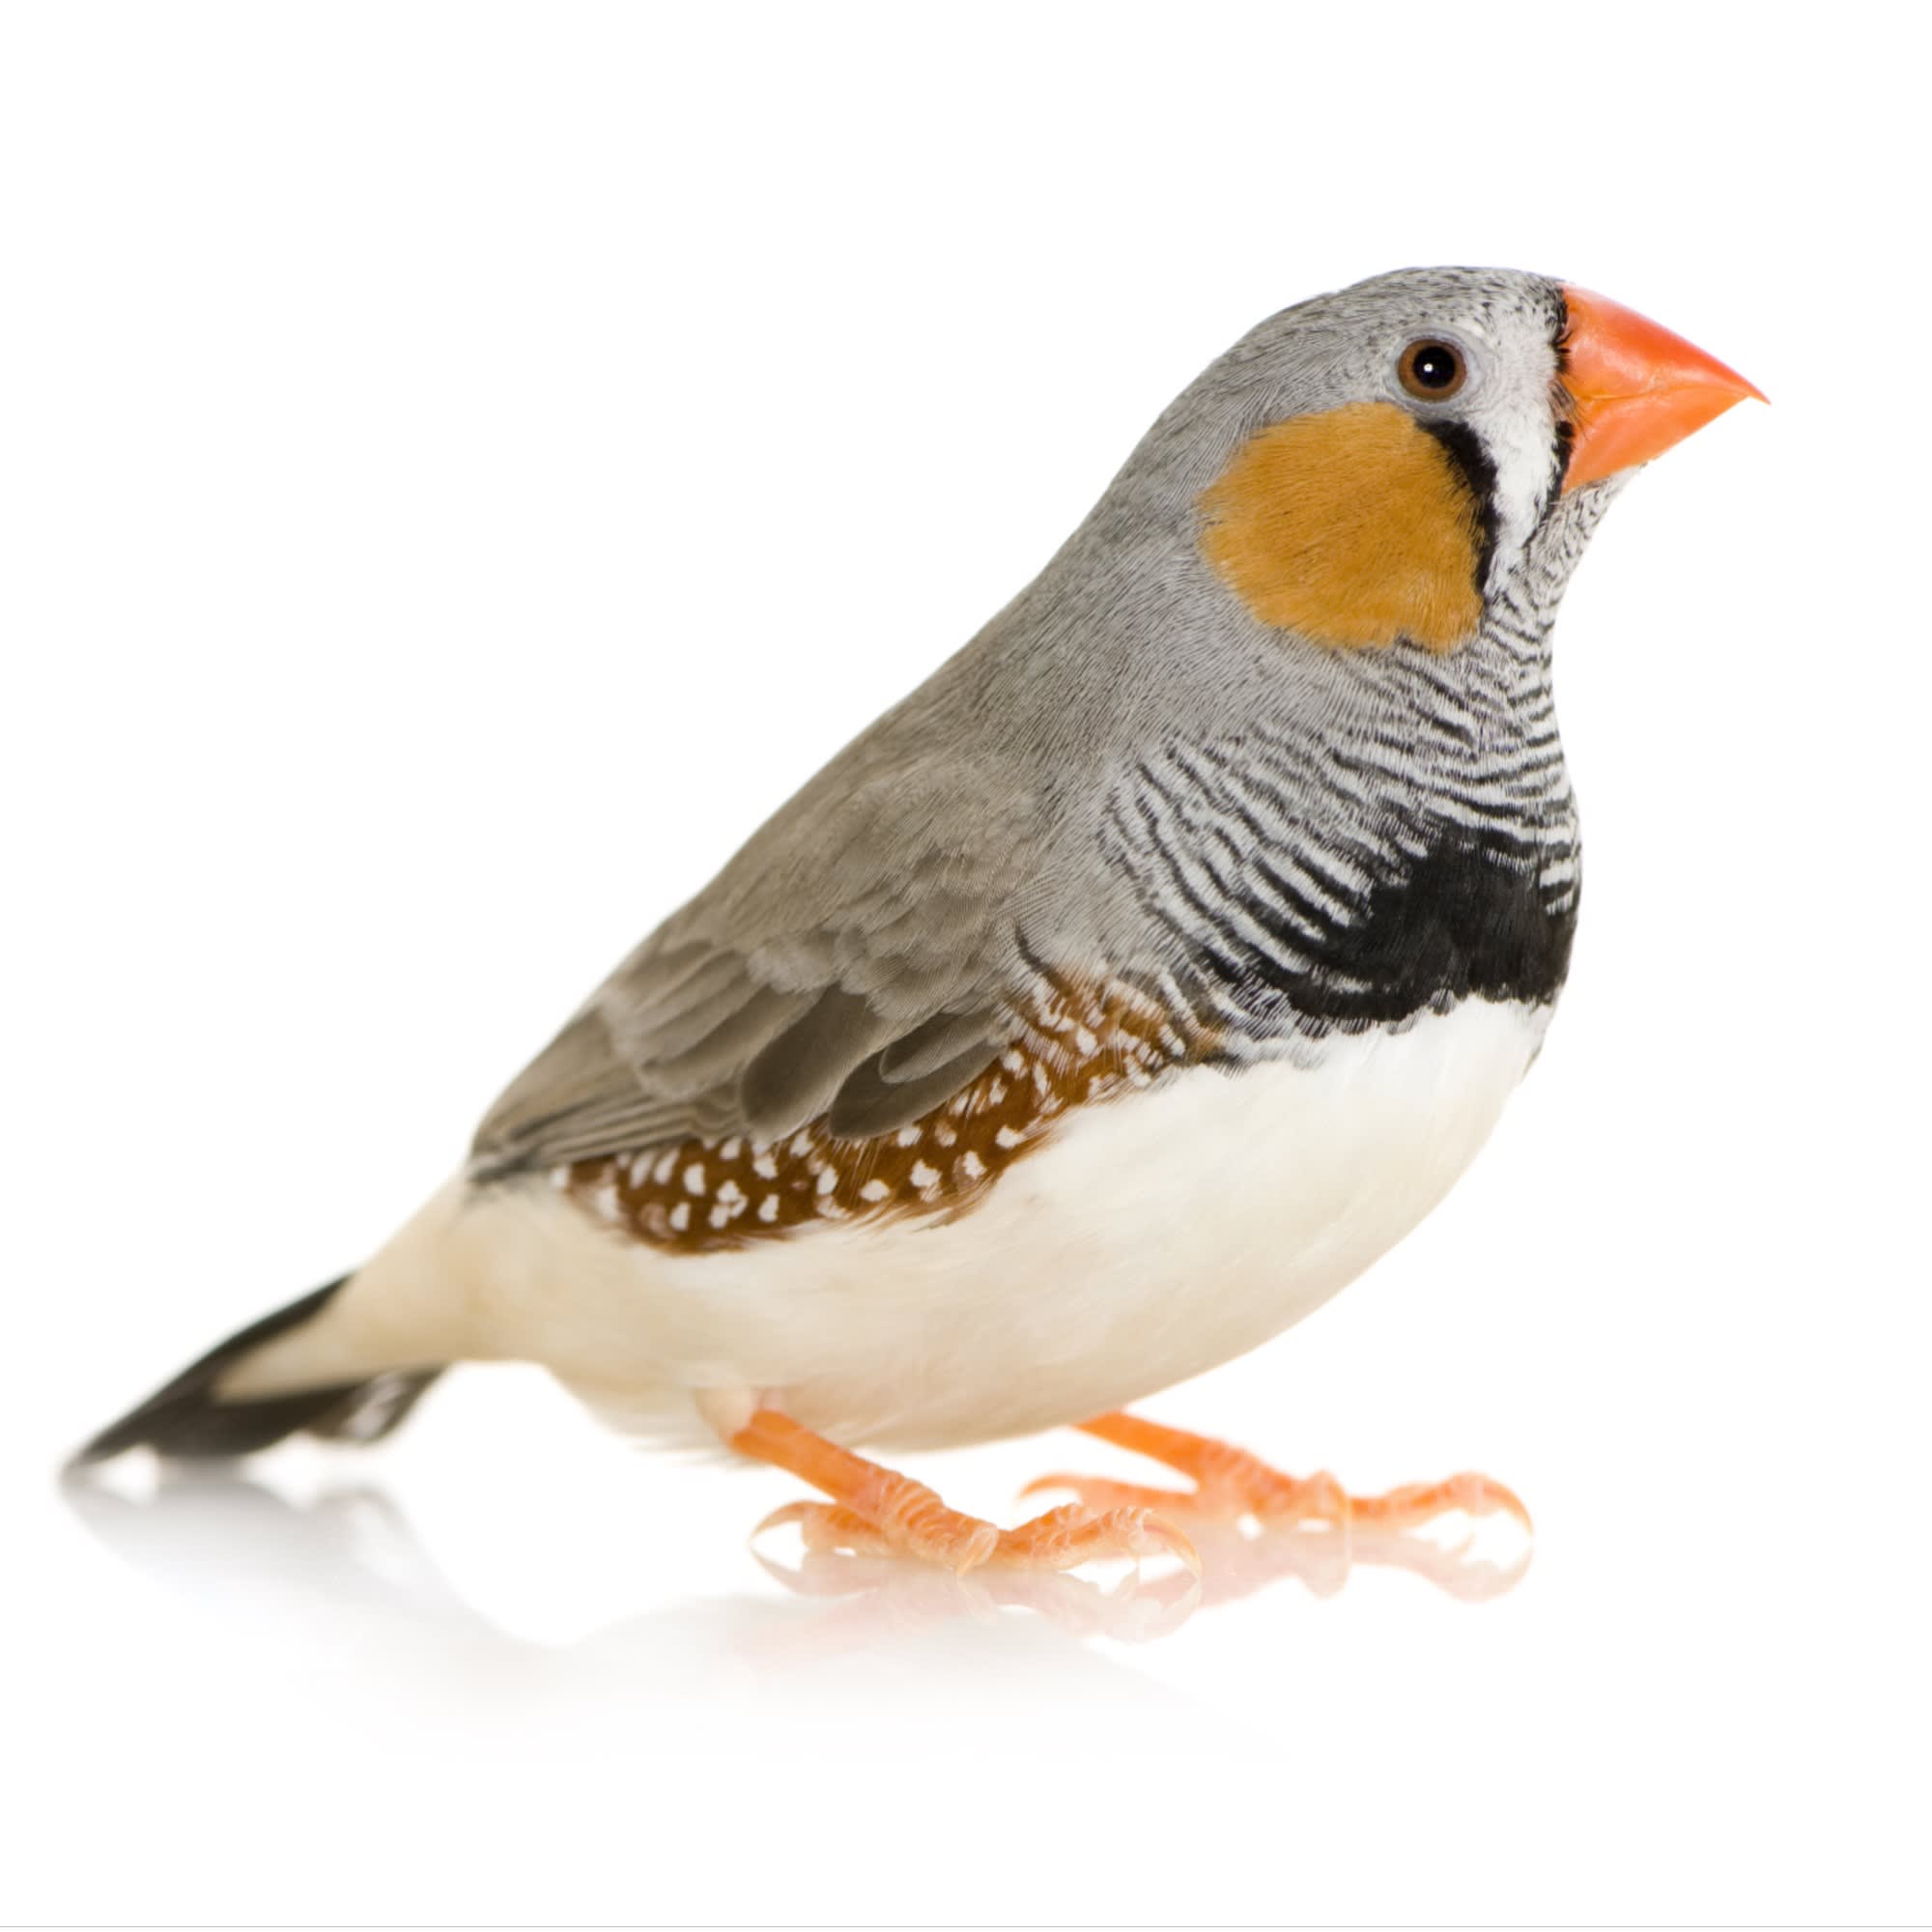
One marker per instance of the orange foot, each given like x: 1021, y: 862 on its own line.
x: 1229, y: 1483
x: 874, y: 1511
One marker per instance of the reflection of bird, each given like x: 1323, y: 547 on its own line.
x: 1105, y: 1006
x: 351, y: 1560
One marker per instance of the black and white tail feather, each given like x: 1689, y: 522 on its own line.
x: 187, y: 1420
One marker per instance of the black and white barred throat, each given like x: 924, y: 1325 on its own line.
x: 1409, y: 846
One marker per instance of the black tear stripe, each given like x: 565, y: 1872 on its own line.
x: 1467, y: 918
x: 1479, y: 473
x: 1566, y: 427
x: 1566, y: 441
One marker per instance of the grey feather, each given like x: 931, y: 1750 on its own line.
x: 793, y: 1077
x: 868, y: 1103
x: 942, y: 1039
x: 1123, y: 759
x: 808, y: 957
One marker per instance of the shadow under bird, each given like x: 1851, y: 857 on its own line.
x: 1103, y: 1007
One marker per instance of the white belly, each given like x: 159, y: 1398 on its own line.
x: 1153, y: 1237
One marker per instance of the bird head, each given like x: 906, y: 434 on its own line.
x: 1372, y: 466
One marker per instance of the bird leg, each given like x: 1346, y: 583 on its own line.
x: 1229, y: 1483
x: 875, y: 1510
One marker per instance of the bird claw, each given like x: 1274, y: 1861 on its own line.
x: 875, y: 1513
x: 1075, y: 1533
x: 1416, y: 1503
x: 1280, y: 1501
x: 1231, y: 1485
x: 1060, y: 1539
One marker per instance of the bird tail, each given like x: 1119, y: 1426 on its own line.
x: 192, y: 1418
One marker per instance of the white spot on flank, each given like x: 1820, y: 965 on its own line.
x: 661, y: 1173
x: 874, y: 1190
x: 996, y: 1093
x: 1086, y: 1041
x: 607, y: 1203
x: 768, y: 1207
x: 1009, y: 1137
x: 680, y: 1216
x: 640, y: 1169
x: 801, y: 1144
x: 765, y: 1167
x: 1013, y: 1060
x: 828, y: 1179
x: 971, y: 1165
x: 944, y: 1135
x: 907, y: 1136
x: 924, y: 1176
x: 694, y: 1178
x: 719, y: 1216
x: 733, y: 1148
x: 731, y: 1193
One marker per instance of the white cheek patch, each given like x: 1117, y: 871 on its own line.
x: 1512, y: 415
x: 1520, y: 436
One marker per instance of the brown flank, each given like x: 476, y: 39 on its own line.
x: 1069, y: 1048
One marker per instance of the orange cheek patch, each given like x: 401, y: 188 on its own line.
x: 1354, y: 528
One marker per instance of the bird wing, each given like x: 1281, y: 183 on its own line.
x: 855, y: 961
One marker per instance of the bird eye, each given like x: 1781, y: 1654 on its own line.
x: 1432, y: 372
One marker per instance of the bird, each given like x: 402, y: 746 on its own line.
x: 1107, y: 1006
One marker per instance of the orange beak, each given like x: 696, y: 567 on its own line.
x: 1634, y: 388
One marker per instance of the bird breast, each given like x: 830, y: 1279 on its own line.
x: 1153, y: 1237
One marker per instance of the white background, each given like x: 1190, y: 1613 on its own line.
x: 460, y: 468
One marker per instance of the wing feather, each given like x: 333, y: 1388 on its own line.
x: 857, y: 958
